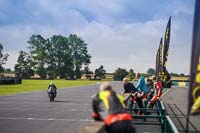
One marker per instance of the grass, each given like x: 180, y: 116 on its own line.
x: 37, y: 85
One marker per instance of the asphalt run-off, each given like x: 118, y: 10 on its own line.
x: 33, y: 113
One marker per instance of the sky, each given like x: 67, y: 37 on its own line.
x: 119, y: 33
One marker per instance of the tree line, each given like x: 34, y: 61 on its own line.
x: 60, y: 56
x: 57, y: 56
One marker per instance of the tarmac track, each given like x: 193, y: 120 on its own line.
x: 33, y: 113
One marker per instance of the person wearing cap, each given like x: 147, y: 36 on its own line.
x: 108, y: 106
x: 157, y: 93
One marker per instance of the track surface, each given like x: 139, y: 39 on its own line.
x: 176, y: 102
x: 33, y: 113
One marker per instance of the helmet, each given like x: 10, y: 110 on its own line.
x: 51, y: 83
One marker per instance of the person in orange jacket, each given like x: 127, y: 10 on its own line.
x: 108, y: 106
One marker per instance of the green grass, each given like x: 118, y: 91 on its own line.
x: 37, y: 85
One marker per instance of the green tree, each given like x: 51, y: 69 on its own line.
x: 87, y: 72
x: 173, y: 74
x: 60, y: 57
x: 151, y: 71
x: 182, y: 75
x: 8, y: 70
x: 3, y: 58
x: 38, y: 50
x: 100, y: 73
x: 79, y: 53
x: 131, y: 74
x: 120, y: 73
x: 23, y: 68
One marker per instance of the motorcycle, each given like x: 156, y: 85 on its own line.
x: 51, y: 93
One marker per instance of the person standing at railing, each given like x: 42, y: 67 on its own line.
x: 129, y: 88
x: 157, y: 93
x: 150, y: 88
x: 108, y: 106
x: 141, y: 91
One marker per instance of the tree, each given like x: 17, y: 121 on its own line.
x: 87, y: 72
x: 173, y: 74
x: 151, y: 71
x: 131, y: 74
x: 8, y: 70
x: 120, y: 73
x: 100, y: 73
x: 23, y: 68
x: 3, y: 58
x: 79, y: 53
x: 182, y: 75
x: 59, y: 57
x: 39, y: 52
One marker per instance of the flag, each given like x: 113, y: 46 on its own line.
x: 165, y: 73
x: 194, y: 85
x: 159, y: 61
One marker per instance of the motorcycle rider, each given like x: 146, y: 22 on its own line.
x: 108, y: 106
x: 52, y: 88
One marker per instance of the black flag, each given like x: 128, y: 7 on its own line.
x: 165, y: 73
x: 159, y: 61
x: 194, y: 92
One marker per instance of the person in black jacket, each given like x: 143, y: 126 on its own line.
x: 128, y: 86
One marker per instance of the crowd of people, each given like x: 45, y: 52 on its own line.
x: 110, y: 107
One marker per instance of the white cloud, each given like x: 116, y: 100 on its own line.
x: 12, y: 59
x: 130, y: 45
x: 116, y: 46
x: 112, y: 44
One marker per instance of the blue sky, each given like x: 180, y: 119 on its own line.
x: 119, y: 33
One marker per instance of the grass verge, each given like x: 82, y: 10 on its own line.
x: 37, y: 85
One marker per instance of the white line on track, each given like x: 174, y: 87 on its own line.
x: 48, y: 119
x: 47, y: 103
x: 20, y: 109
x: 5, y: 102
x: 32, y: 109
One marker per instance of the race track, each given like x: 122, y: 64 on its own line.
x: 33, y: 113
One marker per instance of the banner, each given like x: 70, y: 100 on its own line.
x: 194, y: 86
x: 159, y: 61
x: 165, y: 73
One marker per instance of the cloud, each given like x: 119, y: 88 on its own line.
x: 12, y: 59
x: 118, y: 33
x: 134, y: 45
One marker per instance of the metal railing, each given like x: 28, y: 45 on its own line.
x: 154, y: 116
